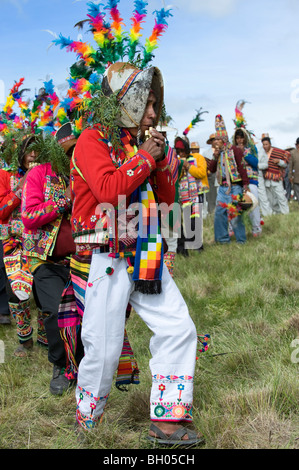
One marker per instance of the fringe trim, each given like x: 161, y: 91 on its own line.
x: 148, y: 287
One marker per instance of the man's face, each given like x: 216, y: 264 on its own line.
x: 266, y: 145
x: 149, y: 117
x: 218, y: 143
x: 181, y: 153
x: 240, y: 140
x: 29, y: 157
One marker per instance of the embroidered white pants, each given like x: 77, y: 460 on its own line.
x: 172, y: 346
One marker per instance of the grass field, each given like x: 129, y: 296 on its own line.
x: 246, y: 392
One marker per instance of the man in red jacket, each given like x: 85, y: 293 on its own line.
x: 106, y: 183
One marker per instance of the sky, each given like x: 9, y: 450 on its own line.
x: 213, y: 54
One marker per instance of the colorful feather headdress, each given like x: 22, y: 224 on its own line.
x: 239, y: 120
x: 240, y: 123
x: 194, y: 121
x: 21, y: 118
x: 34, y: 119
x: 112, y: 44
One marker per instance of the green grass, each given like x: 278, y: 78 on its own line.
x: 246, y: 391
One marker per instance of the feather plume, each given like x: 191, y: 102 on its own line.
x: 194, y: 121
x: 240, y: 121
x: 160, y: 27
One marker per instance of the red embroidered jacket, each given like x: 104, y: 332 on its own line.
x: 10, y: 195
x: 97, y: 178
x: 10, y: 203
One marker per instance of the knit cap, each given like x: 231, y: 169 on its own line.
x: 133, y: 86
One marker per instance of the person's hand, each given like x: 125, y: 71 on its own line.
x: 245, y: 188
x: 21, y: 182
x: 276, y: 161
x: 155, y: 146
x: 217, y: 153
x: 68, y: 192
x: 186, y: 166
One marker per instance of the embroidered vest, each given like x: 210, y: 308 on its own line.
x: 252, y: 174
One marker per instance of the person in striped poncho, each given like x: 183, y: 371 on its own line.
x: 277, y: 163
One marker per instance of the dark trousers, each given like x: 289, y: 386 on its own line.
x: 4, y: 308
x: 49, y: 283
x: 190, y: 230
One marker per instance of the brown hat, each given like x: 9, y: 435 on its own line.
x: 211, y: 138
x: 194, y: 145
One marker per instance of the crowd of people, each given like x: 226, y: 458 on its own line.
x: 231, y: 177
x: 85, y: 241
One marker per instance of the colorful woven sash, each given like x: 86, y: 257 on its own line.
x: 188, y: 191
x: 233, y: 175
x: 148, y: 264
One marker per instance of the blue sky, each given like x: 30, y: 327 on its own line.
x: 214, y: 53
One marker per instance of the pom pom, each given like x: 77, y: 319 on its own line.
x: 90, y: 284
x: 109, y: 271
x: 130, y: 270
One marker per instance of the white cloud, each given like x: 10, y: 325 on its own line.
x: 18, y: 4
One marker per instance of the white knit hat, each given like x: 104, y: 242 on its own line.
x: 133, y: 87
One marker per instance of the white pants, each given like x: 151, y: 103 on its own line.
x: 173, y: 344
x: 277, y: 197
x: 255, y: 215
x: 264, y: 203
